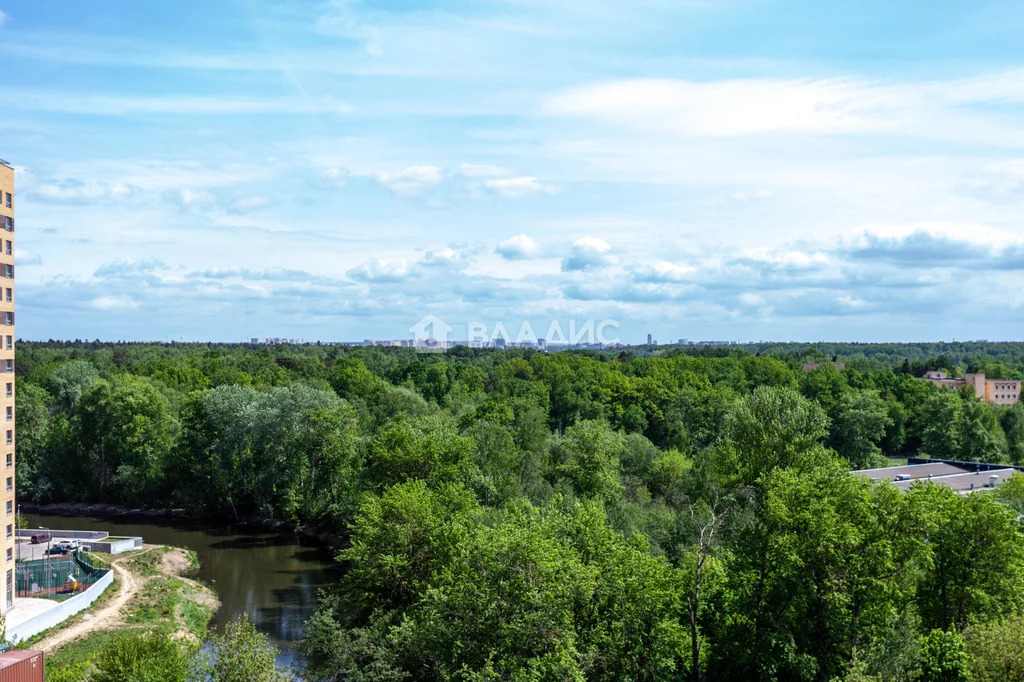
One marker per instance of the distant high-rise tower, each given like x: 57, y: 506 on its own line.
x: 7, y: 371
x: 649, y: 340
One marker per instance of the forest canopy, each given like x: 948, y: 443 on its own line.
x: 644, y: 514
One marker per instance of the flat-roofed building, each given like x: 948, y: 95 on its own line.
x: 811, y: 366
x: 7, y: 504
x: 997, y: 391
x: 963, y: 477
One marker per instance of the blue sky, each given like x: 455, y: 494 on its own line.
x: 727, y: 169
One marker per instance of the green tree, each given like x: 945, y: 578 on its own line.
x: 975, y: 568
x: 401, y: 539
x: 126, y: 430
x: 939, y: 422
x: 587, y: 458
x: 69, y: 381
x: 142, y: 656
x: 996, y: 650
x: 860, y: 423
x: 32, y: 408
x: 772, y: 428
x: 242, y: 654
x: 944, y: 658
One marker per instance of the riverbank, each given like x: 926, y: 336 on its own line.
x: 272, y: 577
x: 152, y: 590
x: 181, y: 515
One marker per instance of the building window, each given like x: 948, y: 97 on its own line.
x: 10, y: 388
x: 9, y: 247
x: 9, y: 271
x: 10, y: 554
x: 10, y: 459
x: 10, y: 507
x: 10, y: 483
x: 10, y: 588
x: 9, y: 198
x: 10, y: 531
x: 10, y: 294
x: 10, y: 436
x: 9, y: 223
x: 8, y: 366
x: 10, y: 342
x: 10, y: 413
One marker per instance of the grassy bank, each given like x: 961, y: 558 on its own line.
x: 153, y: 590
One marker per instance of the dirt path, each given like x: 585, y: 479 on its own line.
x: 110, y: 615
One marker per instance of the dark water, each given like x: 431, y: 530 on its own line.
x: 272, y: 576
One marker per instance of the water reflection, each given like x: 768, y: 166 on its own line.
x: 274, y: 577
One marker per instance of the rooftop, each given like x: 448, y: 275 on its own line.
x: 962, y: 477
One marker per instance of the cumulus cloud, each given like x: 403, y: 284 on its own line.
x: 446, y: 257
x: 518, y: 187
x: 519, y: 247
x: 936, y: 243
x: 588, y: 253
x: 662, y: 271
x: 409, y: 180
x: 381, y: 270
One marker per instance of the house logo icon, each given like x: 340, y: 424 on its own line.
x: 431, y: 333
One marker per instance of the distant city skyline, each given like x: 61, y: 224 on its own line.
x: 737, y: 169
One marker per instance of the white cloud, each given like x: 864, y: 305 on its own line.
x: 663, y: 271
x: 445, y: 257
x: 4, y: 17
x: 249, y: 203
x: 519, y: 247
x: 730, y: 107
x: 75, y: 192
x: 409, y: 180
x: 381, y: 270
x: 950, y: 110
x: 114, y: 303
x: 477, y: 170
x: 185, y: 197
x: 334, y: 177
x: 517, y: 187
x: 588, y: 253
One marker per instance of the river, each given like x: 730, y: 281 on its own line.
x: 272, y: 576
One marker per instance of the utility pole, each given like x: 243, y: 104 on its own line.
x: 48, y: 539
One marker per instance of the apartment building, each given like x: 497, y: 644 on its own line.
x: 7, y: 548
x: 997, y: 391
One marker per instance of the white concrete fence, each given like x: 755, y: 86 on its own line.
x: 59, y: 613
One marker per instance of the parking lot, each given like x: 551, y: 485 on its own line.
x: 27, y: 551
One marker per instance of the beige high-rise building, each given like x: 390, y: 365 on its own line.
x: 8, y: 508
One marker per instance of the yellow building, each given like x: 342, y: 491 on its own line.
x: 997, y: 391
x: 7, y: 553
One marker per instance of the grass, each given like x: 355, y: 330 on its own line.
x: 163, y: 603
x: 145, y: 564
x: 80, y: 651
x: 168, y: 603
